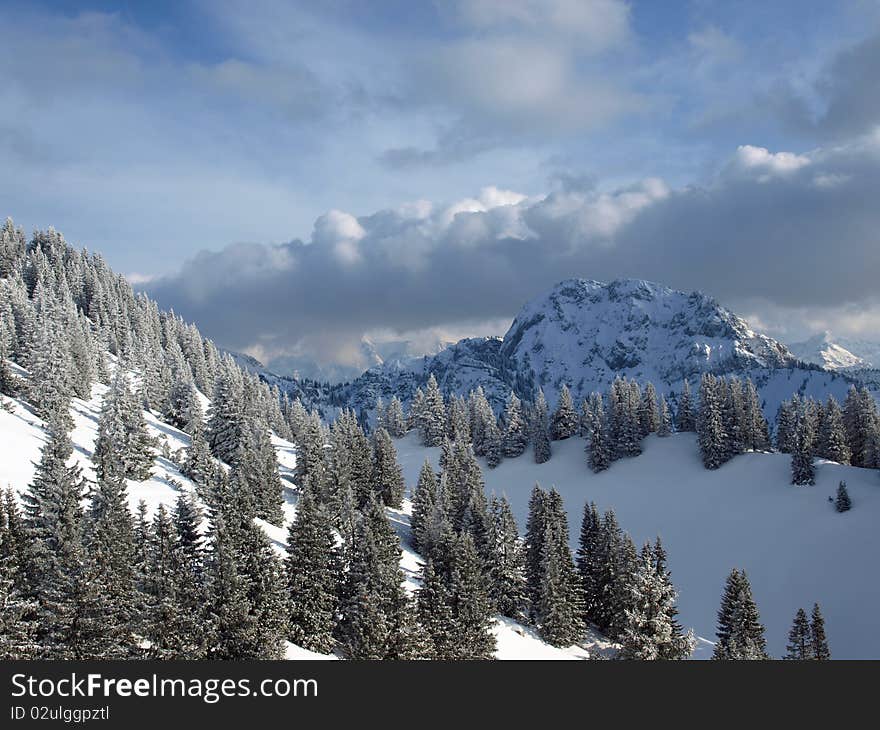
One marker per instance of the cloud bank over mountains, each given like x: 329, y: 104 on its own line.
x: 790, y: 237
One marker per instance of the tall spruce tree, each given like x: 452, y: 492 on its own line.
x: 684, y: 415
x: 558, y: 607
x: 818, y: 641
x: 123, y: 448
x: 470, y: 603
x: 740, y: 632
x: 710, y: 426
x: 387, y: 475
x: 803, y: 471
x: 313, y: 576
x: 541, y: 429
x: 799, y: 647
x: 506, y: 561
x: 564, y: 423
x: 515, y: 437
x: 424, y: 499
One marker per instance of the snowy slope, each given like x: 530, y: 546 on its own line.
x: 795, y: 548
x: 22, y: 436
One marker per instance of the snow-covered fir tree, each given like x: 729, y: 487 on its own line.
x: 541, y: 429
x: 424, y: 498
x: 803, y: 471
x: 600, y: 450
x: 564, y: 423
x: 393, y: 420
x: 515, y: 437
x: 387, y: 476
x: 740, y: 632
x: 685, y: 418
x: 832, y: 436
x: 433, y: 419
x: 799, y: 646
x: 313, y: 575
x: 710, y: 426
x: 818, y: 640
x: 649, y: 414
x: 506, y: 561
x: 842, y: 502
x: 123, y: 447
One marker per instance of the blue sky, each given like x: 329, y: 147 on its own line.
x: 168, y: 134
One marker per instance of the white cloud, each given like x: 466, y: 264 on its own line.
x: 768, y: 233
x: 768, y: 164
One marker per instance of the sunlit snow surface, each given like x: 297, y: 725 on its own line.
x: 794, y: 546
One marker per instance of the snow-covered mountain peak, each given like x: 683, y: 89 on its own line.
x: 585, y: 332
x: 823, y: 349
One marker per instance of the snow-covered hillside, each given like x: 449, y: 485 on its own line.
x: 22, y: 435
x: 795, y: 548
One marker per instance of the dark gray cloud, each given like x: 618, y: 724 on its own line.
x: 787, y: 230
x: 842, y: 101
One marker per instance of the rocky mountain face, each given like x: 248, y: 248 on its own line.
x: 585, y: 333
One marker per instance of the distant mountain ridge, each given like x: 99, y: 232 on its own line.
x: 838, y: 353
x: 585, y: 333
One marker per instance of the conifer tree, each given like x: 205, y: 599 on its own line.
x: 651, y: 631
x: 470, y: 603
x: 799, y: 646
x: 541, y: 429
x: 599, y: 447
x: 802, y: 470
x: 424, y: 499
x: 842, y: 503
x: 110, y: 561
x: 232, y: 624
x: 434, y: 615
x: 393, y: 421
x: 189, y: 635
x: 374, y: 606
x: 740, y: 633
x: 51, y: 556
x: 684, y: 416
x: 710, y: 427
x: 564, y: 423
x: 313, y: 576
x: 832, y: 437
x: 649, y: 415
x: 506, y: 565
x: 387, y: 475
x: 515, y: 438
x: 433, y: 425
x: 226, y: 419
x: 123, y: 448
x: 681, y: 644
x: 493, y: 444
x: 536, y: 526
x: 482, y: 421
x: 310, y: 450
x: 818, y: 641
x: 590, y: 560
x: 664, y: 424
x: 785, y: 425
x: 558, y: 607
x: 756, y: 435
x: 17, y: 630
x: 198, y: 464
